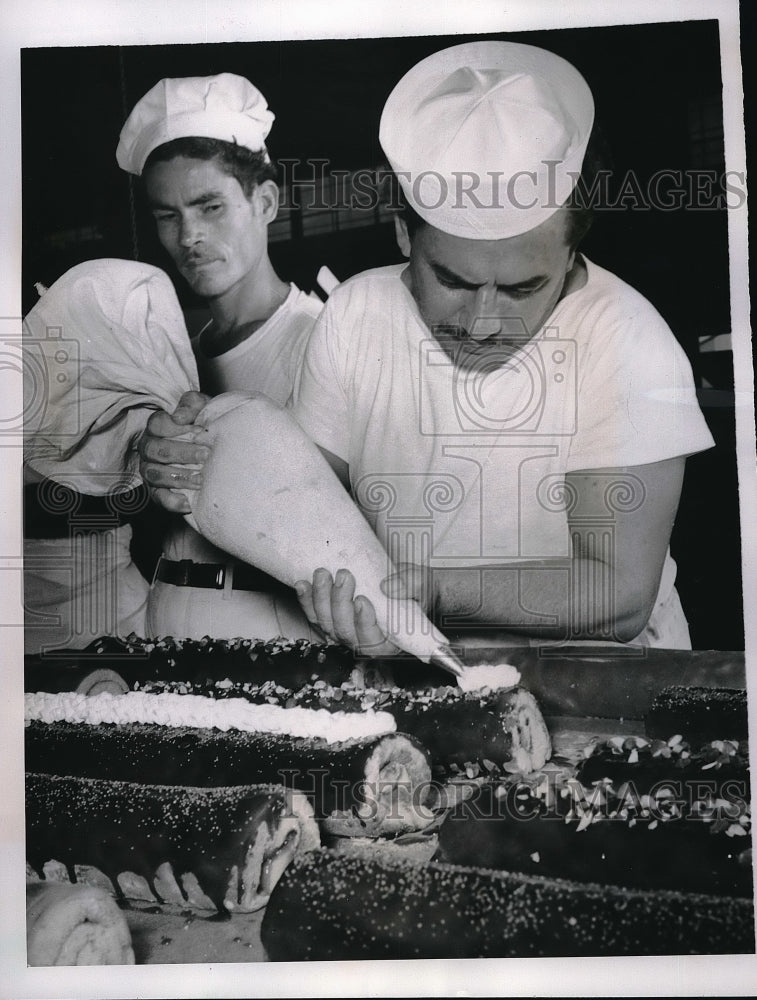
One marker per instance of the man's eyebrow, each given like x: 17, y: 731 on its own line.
x: 443, y: 272
x: 447, y: 275
x: 201, y: 199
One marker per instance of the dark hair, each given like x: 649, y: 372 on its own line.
x: 597, y: 160
x: 580, y: 220
x: 581, y: 213
x: 407, y: 213
x: 248, y: 168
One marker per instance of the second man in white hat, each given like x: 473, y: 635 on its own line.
x: 514, y: 419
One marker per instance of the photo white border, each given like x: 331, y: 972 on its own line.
x: 34, y: 23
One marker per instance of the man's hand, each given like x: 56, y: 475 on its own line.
x: 331, y: 605
x: 167, y: 464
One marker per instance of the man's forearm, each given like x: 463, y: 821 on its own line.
x: 577, y: 598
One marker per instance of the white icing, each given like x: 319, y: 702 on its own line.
x: 488, y: 675
x: 197, y: 711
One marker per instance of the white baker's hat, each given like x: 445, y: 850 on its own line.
x: 487, y: 138
x: 225, y: 106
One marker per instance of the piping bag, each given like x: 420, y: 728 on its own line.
x: 270, y: 498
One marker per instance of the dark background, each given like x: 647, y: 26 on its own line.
x: 651, y: 84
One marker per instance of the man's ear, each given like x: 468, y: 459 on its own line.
x: 401, y: 235
x: 266, y: 196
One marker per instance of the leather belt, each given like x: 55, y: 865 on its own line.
x: 212, y: 576
x: 52, y: 510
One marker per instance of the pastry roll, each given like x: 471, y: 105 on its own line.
x: 235, y: 842
x: 456, y: 726
x: 331, y: 906
x: 381, y: 784
x: 75, y: 925
x: 698, y: 714
x: 605, y: 834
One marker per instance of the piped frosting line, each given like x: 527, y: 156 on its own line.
x: 197, y: 711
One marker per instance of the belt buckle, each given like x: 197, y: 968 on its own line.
x: 226, y: 575
x: 185, y: 567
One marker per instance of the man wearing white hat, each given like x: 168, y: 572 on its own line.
x: 199, y: 144
x: 513, y: 419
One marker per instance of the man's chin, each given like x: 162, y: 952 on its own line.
x: 202, y: 284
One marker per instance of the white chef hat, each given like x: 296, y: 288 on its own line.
x: 225, y: 106
x: 487, y: 138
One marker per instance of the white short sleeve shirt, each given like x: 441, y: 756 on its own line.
x: 267, y: 362
x: 456, y: 467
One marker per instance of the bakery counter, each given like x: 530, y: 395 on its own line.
x: 175, y: 936
x: 587, y: 695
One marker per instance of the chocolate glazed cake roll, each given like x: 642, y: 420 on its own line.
x: 657, y: 845
x: 292, y: 662
x: 236, y: 842
x: 379, y: 783
x: 647, y: 765
x: 698, y: 714
x: 340, y: 907
x: 501, y: 726
x: 456, y: 727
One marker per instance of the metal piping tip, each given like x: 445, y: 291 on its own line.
x: 444, y: 657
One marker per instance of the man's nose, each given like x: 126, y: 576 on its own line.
x: 483, y: 320
x: 190, y: 232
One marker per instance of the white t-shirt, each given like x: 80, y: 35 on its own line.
x: 468, y: 468
x: 267, y: 362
